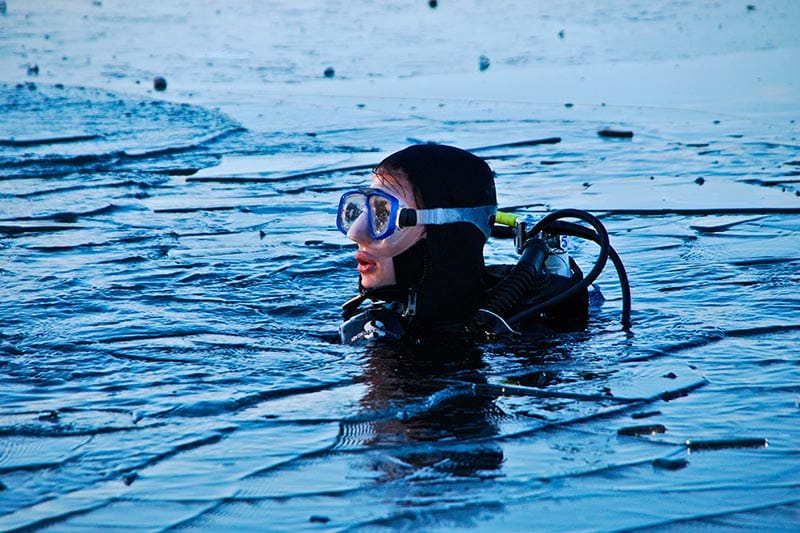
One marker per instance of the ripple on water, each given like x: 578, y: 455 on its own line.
x: 179, y: 277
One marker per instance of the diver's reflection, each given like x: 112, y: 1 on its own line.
x: 421, y: 411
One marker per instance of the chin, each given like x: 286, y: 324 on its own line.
x: 369, y: 283
x: 375, y: 282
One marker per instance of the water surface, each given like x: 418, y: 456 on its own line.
x: 171, y: 277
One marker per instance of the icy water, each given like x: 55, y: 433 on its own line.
x: 171, y: 279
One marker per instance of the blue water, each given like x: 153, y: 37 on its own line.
x: 170, y: 288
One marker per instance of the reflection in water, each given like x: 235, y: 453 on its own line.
x: 422, y: 394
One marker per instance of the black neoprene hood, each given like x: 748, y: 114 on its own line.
x: 446, y: 268
x: 445, y: 176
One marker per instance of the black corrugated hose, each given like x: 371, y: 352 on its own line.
x: 527, y: 274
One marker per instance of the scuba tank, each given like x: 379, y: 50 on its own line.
x: 557, y: 262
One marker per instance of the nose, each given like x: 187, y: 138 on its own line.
x: 359, y: 231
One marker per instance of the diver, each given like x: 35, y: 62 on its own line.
x: 421, y: 228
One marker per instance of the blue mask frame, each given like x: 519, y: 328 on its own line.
x: 381, y: 207
x: 385, y: 215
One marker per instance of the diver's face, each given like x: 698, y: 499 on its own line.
x: 375, y: 256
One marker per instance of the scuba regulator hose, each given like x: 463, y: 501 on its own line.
x: 526, y: 276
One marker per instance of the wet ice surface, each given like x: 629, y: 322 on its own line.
x: 171, y: 279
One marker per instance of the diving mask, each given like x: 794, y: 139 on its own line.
x: 385, y: 215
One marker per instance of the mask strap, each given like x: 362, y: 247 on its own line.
x: 482, y: 217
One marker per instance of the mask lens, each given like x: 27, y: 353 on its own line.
x: 350, y: 208
x: 381, y: 209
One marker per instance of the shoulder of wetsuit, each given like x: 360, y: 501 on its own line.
x: 378, y: 321
x: 570, y: 314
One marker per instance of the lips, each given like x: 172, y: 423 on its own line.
x: 366, y: 263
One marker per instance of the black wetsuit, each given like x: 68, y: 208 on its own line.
x: 389, y: 318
